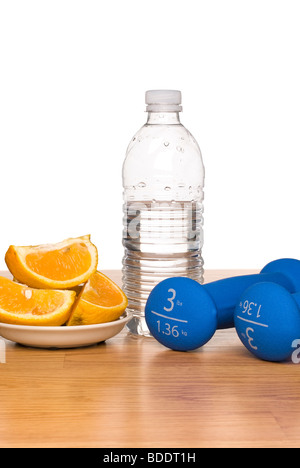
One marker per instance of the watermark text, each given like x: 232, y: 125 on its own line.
x: 296, y: 353
x: 2, y: 352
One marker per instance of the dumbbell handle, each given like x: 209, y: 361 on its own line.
x: 227, y: 292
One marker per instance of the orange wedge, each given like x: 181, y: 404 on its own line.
x: 21, y: 305
x: 54, y: 266
x: 100, y: 301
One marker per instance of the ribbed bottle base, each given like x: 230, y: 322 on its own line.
x: 142, y: 272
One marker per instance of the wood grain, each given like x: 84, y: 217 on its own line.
x: 132, y: 392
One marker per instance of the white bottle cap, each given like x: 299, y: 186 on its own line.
x: 163, y: 100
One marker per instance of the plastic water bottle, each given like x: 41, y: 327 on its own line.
x: 163, y: 180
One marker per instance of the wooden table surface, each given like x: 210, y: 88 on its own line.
x: 133, y: 392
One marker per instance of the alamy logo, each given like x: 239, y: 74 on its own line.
x: 2, y: 352
x: 163, y: 220
x: 296, y: 353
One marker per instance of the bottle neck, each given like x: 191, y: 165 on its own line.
x: 163, y: 118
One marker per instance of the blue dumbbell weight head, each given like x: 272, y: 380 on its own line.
x: 201, y: 309
x: 267, y: 321
x: 173, y: 316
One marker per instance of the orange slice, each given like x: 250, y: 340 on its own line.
x: 100, y: 301
x: 21, y: 305
x: 54, y: 266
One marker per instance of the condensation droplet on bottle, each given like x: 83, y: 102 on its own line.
x: 180, y: 149
x: 181, y: 185
x: 167, y: 189
x: 142, y: 185
x: 166, y: 143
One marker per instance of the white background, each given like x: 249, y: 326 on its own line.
x: 72, y: 80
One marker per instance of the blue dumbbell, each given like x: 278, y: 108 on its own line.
x: 267, y: 321
x: 226, y: 292
x: 184, y: 315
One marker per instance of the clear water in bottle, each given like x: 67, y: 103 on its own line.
x: 163, y: 180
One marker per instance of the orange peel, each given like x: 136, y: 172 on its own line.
x: 100, y: 301
x: 53, y: 266
x: 21, y: 305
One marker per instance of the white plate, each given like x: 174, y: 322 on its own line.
x: 63, y: 337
